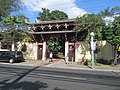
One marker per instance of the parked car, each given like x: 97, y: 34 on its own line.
x: 11, y: 56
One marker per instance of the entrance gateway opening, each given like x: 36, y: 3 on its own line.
x: 58, y: 37
x: 55, y: 43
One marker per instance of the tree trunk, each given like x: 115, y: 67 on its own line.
x: 115, y: 53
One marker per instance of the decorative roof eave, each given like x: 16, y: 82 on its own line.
x: 54, y: 32
x: 52, y: 22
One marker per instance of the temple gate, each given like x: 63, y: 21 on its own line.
x: 64, y: 30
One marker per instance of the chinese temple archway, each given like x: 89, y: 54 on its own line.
x: 64, y: 30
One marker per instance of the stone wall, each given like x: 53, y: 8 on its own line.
x: 103, y: 50
x: 83, y: 51
x: 29, y: 53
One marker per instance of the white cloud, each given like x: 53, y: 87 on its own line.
x: 67, y: 6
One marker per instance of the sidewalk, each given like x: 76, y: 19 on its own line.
x: 70, y: 65
x: 35, y: 63
x: 59, y: 63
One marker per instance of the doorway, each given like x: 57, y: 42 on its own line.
x: 40, y: 50
x: 71, y: 53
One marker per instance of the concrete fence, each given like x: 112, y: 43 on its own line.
x: 103, y: 50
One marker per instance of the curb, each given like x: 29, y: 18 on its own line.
x: 43, y: 64
x: 110, y: 70
x: 46, y: 63
x: 82, y: 68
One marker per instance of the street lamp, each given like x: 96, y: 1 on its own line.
x: 92, y: 48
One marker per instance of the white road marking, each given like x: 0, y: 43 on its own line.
x: 58, y: 76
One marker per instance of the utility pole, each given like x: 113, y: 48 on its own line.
x: 92, y: 49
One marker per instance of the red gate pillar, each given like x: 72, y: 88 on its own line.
x: 44, y: 51
x: 36, y: 51
x: 66, y: 51
x: 76, y: 51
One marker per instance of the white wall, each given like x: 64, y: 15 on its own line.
x: 105, y: 52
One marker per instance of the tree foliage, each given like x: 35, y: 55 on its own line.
x: 110, y: 11
x: 54, y: 45
x: 92, y: 23
x: 15, y: 25
x: 112, y: 34
x: 58, y: 15
x: 47, y: 15
x: 115, y: 10
x: 11, y: 22
x: 105, y: 12
x: 112, y: 31
x: 8, y: 6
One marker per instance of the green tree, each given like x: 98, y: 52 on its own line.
x: 115, y: 10
x: 47, y: 15
x: 113, y: 36
x: 16, y: 25
x: 58, y: 15
x: 91, y: 23
x: 8, y: 6
x: 54, y: 45
x: 105, y: 12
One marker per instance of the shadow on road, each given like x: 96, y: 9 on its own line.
x: 52, y: 74
x: 27, y: 86
x: 58, y: 89
x: 7, y: 86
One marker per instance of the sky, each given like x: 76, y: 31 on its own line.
x: 73, y: 8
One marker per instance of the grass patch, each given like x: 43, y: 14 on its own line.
x: 105, y: 62
x: 116, y: 66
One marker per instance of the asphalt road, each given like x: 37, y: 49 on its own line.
x: 13, y: 77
